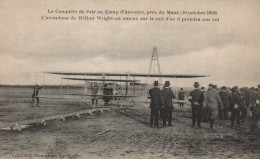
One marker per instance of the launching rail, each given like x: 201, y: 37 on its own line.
x: 19, y: 125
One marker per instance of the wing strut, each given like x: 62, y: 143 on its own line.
x: 61, y: 86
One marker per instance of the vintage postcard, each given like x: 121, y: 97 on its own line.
x: 129, y: 79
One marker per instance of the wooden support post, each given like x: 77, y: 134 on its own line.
x: 61, y: 86
x: 68, y: 83
x: 36, y: 77
x: 128, y: 91
x: 42, y: 80
x: 85, y: 90
x: 114, y: 90
x: 134, y: 85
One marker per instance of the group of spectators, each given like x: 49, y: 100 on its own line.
x: 242, y: 103
x: 208, y: 105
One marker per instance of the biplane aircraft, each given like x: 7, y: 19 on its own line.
x: 105, y: 78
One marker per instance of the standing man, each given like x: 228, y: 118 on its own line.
x: 213, y: 101
x: 94, y: 92
x: 35, y: 95
x: 107, y: 92
x: 225, y: 98
x: 256, y: 112
x: 244, y: 103
x: 235, y: 105
x: 167, y: 107
x: 181, y: 96
x: 196, y: 99
x: 155, y: 105
x: 205, y: 110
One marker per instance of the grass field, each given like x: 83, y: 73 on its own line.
x: 120, y: 133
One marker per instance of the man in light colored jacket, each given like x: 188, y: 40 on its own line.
x: 213, y: 101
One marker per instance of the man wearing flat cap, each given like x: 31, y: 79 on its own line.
x: 213, y: 101
x: 196, y: 99
x: 246, y: 102
x: 155, y: 105
x: 205, y: 110
x: 256, y: 112
x: 167, y: 108
x: 225, y: 98
x: 235, y: 106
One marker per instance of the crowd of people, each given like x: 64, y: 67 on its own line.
x: 208, y: 106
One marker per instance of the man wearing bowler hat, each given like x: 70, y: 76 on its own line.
x: 196, y: 99
x: 167, y: 107
x: 155, y: 105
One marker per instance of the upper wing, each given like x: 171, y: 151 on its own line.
x: 128, y: 74
x: 89, y: 79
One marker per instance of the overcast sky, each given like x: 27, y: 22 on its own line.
x: 228, y: 50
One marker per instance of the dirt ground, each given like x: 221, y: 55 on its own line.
x: 119, y: 133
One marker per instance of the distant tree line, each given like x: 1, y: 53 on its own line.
x: 45, y: 86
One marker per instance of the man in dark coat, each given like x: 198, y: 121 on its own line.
x: 155, y: 105
x: 235, y: 106
x: 245, y: 102
x: 181, y: 96
x: 94, y: 92
x: 167, y: 107
x: 107, y: 91
x: 35, y: 95
x: 196, y: 99
x: 256, y: 112
x: 225, y: 97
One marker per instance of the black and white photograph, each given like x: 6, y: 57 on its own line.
x: 132, y: 79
